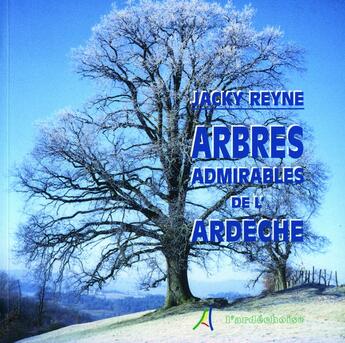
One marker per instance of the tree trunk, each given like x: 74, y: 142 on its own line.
x: 41, y: 300
x: 281, y: 276
x: 178, y: 291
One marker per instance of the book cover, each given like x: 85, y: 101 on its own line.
x: 172, y: 171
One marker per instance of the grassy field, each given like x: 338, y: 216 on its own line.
x: 306, y: 314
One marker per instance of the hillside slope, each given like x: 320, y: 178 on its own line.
x: 311, y: 314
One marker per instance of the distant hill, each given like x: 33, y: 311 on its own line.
x: 229, y: 295
x: 304, y: 314
x: 109, y: 304
x: 19, y: 307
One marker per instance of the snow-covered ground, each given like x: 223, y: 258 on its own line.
x: 323, y: 316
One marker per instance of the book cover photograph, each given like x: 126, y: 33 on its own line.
x: 172, y: 171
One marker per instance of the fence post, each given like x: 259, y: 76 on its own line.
x: 329, y: 279
x: 336, y: 278
x: 313, y: 274
x: 325, y: 273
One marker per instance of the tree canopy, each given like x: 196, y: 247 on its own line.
x: 109, y: 185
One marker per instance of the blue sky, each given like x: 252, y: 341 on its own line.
x: 40, y: 80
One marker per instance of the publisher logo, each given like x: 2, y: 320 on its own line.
x: 264, y: 319
x: 206, y: 319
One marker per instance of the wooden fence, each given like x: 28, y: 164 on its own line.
x: 314, y: 276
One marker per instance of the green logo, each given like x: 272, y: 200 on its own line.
x: 206, y: 319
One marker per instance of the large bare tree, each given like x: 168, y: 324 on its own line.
x: 109, y: 185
